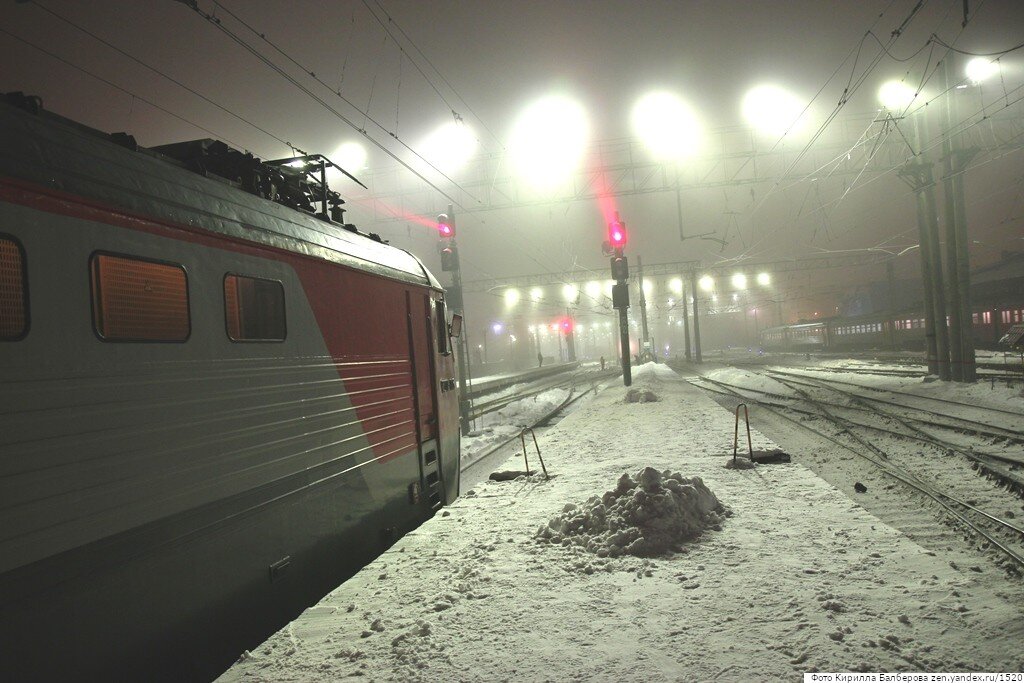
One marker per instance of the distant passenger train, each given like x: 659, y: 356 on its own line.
x: 882, y: 331
x: 217, y: 401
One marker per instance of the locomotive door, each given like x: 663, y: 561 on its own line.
x: 434, y: 452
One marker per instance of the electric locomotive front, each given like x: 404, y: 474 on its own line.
x: 215, y: 407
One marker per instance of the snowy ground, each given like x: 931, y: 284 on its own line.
x: 799, y: 577
x: 494, y: 428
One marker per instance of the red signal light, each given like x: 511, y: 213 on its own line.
x: 444, y: 226
x: 617, y: 234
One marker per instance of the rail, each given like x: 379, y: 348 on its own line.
x: 944, y: 500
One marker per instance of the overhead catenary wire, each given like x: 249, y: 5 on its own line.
x: 217, y: 23
x: 927, y: 75
x: 163, y: 75
x: 391, y: 21
x: 116, y: 86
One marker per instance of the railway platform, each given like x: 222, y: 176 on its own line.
x: 795, y: 577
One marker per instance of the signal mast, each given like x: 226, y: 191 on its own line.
x: 614, y: 246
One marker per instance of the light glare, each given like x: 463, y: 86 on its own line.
x: 706, y: 283
x: 668, y: 127
x: 896, y: 95
x: 570, y: 292
x: 351, y: 156
x: 536, y: 294
x: 764, y: 279
x: 739, y: 281
x: 548, y: 140
x: 980, y: 69
x: 676, y: 285
x: 774, y: 110
x: 511, y: 297
x: 450, y: 146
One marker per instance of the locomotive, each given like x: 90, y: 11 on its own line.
x: 219, y: 400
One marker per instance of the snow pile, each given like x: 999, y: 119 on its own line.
x: 647, y: 379
x: 654, y: 371
x: 645, y: 516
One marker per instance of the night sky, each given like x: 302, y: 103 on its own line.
x: 489, y: 60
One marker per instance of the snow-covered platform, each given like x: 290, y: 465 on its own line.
x: 798, y: 578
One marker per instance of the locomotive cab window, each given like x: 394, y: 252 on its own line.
x: 253, y: 308
x: 443, y: 340
x: 139, y: 300
x: 13, y: 291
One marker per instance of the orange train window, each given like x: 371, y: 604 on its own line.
x: 13, y: 299
x: 254, y: 308
x: 139, y: 300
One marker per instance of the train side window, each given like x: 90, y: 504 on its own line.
x: 253, y: 308
x: 13, y: 291
x: 139, y: 300
x: 443, y: 340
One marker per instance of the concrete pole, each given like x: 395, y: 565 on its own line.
x: 932, y: 357
x: 686, y: 323
x: 956, y: 350
x: 696, y: 318
x: 890, y: 275
x: 462, y: 346
x: 958, y: 258
x: 930, y: 237
x: 645, y: 334
x: 627, y: 372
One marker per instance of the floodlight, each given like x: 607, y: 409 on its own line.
x: 449, y: 147
x: 570, y: 292
x: 511, y: 297
x: 896, y: 95
x: 774, y: 110
x: 706, y: 283
x: 764, y: 279
x: 351, y: 156
x: 548, y: 140
x: 676, y: 285
x: 667, y: 125
x: 739, y: 281
x: 536, y: 294
x: 980, y: 69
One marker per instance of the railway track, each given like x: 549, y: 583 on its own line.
x: 948, y: 495
x: 571, y: 397
x: 915, y: 372
x: 535, y: 388
x: 961, y: 423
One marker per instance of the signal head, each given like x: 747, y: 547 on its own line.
x: 444, y: 226
x: 617, y: 234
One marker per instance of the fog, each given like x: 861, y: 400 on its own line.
x: 826, y: 182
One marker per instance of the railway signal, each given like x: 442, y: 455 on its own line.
x: 445, y: 227
x: 614, y: 245
x: 450, y: 263
x: 617, y: 234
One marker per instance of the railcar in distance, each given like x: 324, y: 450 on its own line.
x: 218, y: 400
x: 884, y: 331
